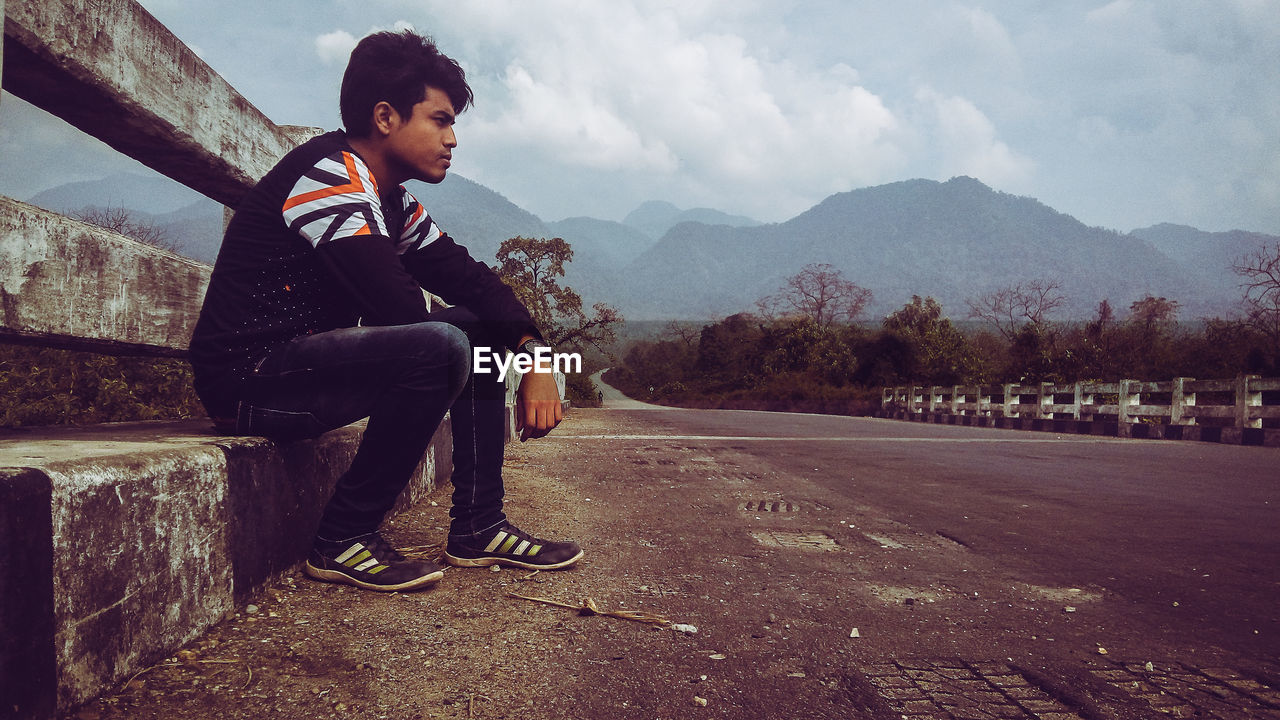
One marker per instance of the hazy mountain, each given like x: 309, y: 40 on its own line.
x: 610, y: 242
x: 196, y: 228
x: 474, y: 215
x: 187, y: 218
x: 154, y: 195
x: 1208, y: 255
x: 952, y: 240
x: 656, y: 217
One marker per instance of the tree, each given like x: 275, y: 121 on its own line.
x: 532, y: 268
x: 942, y: 355
x: 1260, y: 272
x: 1009, y: 309
x: 727, y: 350
x: 682, y: 331
x: 819, y: 292
x: 1103, y: 321
x: 1153, y: 313
x: 121, y: 221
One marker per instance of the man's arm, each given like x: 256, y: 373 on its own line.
x: 335, y: 207
x: 538, y: 406
x: 445, y: 268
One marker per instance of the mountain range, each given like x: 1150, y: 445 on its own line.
x: 953, y: 240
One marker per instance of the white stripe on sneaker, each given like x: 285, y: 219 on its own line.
x: 524, y: 545
x: 497, y: 540
x: 349, y: 553
x: 367, y: 564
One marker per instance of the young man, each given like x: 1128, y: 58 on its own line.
x: 315, y: 318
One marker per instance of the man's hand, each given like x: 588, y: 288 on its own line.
x: 538, y: 408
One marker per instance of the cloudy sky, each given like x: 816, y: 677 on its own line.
x: 1123, y: 113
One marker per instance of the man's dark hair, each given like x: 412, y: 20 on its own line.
x: 396, y: 67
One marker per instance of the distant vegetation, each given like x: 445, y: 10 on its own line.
x: 803, y: 361
x: 47, y: 386
x: 1004, y: 267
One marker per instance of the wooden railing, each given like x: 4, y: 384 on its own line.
x: 1182, y: 402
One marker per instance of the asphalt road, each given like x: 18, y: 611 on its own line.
x: 833, y: 567
x: 1151, y: 523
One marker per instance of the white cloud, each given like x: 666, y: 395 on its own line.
x: 1121, y: 112
x: 335, y: 47
x: 672, y: 94
x: 1112, y: 12
x: 966, y: 143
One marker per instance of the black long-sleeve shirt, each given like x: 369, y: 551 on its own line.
x: 315, y: 246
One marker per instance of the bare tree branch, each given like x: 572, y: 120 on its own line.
x: 1009, y: 309
x: 1260, y: 271
x: 818, y: 292
x: 122, y: 222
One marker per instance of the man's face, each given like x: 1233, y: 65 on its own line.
x: 422, y: 146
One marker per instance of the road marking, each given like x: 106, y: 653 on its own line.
x: 802, y: 541
x: 885, y: 541
x: 774, y: 506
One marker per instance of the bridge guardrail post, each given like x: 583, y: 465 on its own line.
x: 1044, y: 399
x: 1247, y: 399
x: 1011, y: 400
x: 1180, y: 401
x: 1126, y: 400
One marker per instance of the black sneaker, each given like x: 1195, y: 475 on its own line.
x: 368, y: 562
x: 513, y: 547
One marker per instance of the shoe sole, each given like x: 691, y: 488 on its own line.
x: 491, y: 560
x: 334, y: 576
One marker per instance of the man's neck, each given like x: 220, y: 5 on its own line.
x: 369, y: 150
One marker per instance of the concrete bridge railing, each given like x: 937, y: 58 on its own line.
x: 1184, y: 408
x: 120, y: 543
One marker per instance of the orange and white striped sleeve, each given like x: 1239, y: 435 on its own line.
x: 336, y: 198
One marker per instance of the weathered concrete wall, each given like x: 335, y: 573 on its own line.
x: 64, y: 282
x: 111, y: 69
x: 119, y: 543
x: 140, y: 553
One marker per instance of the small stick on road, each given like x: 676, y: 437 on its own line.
x: 589, y: 607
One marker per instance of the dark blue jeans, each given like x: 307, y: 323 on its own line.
x: 403, y: 378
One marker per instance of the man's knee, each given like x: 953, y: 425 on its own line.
x: 439, y: 346
x: 459, y: 357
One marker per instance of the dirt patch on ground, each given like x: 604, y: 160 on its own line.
x: 305, y: 649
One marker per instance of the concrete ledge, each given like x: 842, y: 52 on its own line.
x: 121, y: 542
x: 1267, y: 437
x: 111, y: 69
x: 71, y: 284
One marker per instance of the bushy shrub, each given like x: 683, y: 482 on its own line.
x: 46, y: 386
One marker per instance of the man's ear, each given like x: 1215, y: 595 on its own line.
x: 385, y: 118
